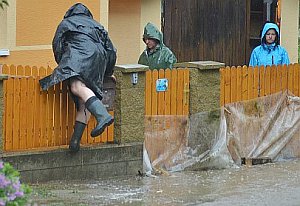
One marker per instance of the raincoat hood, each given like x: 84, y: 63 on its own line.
x: 78, y: 9
x: 267, y: 27
x: 150, y: 31
x: 269, y: 54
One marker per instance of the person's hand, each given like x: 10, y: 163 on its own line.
x: 114, y: 79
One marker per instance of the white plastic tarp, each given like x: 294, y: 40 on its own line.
x: 266, y: 127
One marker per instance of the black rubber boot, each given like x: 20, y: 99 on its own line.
x: 97, y: 109
x: 74, y: 145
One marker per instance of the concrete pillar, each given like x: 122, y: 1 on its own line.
x: 2, y: 78
x: 204, y: 85
x: 130, y: 103
x: 204, y: 108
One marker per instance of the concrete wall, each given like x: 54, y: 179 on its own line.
x: 289, y: 27
x: 88, y: 163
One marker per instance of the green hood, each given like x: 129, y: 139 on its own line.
x: 150, y: 31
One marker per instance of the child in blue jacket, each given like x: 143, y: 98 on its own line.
x: 269, y: 52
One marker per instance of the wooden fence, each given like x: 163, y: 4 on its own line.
x: 36, y: 119
x: 175, y: 100
x: 244, y: 83
x: 40, y: 119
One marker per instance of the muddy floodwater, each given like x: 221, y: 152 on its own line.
x: 269, y: 184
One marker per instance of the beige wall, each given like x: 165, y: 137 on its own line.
x: 150, y: 12
x: 28, y: 26
x: 36, y: 20
x: 289, y: 27
x: 124, y: 29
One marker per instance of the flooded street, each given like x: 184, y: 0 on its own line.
x: 269, y: 184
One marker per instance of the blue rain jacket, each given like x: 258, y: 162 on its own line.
x: 269, y: 54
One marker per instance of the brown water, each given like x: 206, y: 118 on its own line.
x: 269, y: 184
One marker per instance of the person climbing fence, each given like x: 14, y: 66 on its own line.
x: 85, y: 55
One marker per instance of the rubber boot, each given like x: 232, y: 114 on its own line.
x: 74, y: 145
x: 97, y: 109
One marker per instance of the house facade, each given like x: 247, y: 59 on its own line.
x: 228, y: 30
x: 28, y: 27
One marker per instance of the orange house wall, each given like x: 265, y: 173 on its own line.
x: 124, y: 29
x: 36, y: 23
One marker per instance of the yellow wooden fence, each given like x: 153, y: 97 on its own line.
x: 39, y: 119
x: 36, y: 119
x: 245, y: 83
x: 175, y: 100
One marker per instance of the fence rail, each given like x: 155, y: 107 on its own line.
x: 40, y: 119
x: 245, y: 83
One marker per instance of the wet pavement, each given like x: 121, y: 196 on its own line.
x: 269, y: 184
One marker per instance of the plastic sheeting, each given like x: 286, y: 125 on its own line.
x: 266, y: 127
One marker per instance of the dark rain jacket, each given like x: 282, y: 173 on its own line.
x: 82, y: 49
x: 269, y: 54
x: 162, y: 57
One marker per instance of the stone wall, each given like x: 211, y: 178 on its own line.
x: 204, y: 85
x: 130, y: 103
x: 89, y: 163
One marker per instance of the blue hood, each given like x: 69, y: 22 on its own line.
x: 267, y: 27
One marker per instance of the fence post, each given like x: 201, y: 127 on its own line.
x: 204, y: 85
x: 130, y: 103
x: 2, y: 78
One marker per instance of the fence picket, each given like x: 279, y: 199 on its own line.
x: 57, y: 115
x: 239, y: 77
x: 250, y: 83
x: 168, y: 75
x: 180, y: 88
x: 28, y: 71
x: 31, y: 112
x: 161, y: 95
x: 255, y: 82
x: 9, y: 107
x: 296, y: 80
x: 148, y: 92
x: 298, y: 68
x: 284, y: 77
x: 173, y: 89
x: 273, y: 79
x: 233, y: 84
x: 227, y: 85
x: 24, y: 103
x: 16, y: 113
x: 70, y: 118
x: 20, y: 70
x: 290, y: 78
x: 110, y: 130
x: 43, y: 112
x: 154, y: 93
x: 278, y: 78
x: 64, y: 114
x: 37, y: 116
